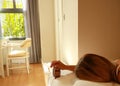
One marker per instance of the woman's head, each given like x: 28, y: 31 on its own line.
x: 94, y: 68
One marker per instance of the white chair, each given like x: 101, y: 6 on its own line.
x: 2, y: 42
x: 1, y: 63
x: 20, y: 53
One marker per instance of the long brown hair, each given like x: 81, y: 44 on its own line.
x: 97, y: 68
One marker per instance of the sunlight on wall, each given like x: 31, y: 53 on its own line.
x: 70, y: 56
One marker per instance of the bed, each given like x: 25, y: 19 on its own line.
x: 68, y: 78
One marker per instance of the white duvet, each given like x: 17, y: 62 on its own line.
x: 69, y: 79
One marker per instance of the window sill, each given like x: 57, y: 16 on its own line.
x: 21, y: 38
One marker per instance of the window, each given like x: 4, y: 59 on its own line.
x: 12, y: 19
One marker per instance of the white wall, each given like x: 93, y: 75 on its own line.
x: 99, y: 27
x: 70, y: 31
x: 67, y: 31
x: 69, y: 36
x: 99, y: 23
x: 47, y: 29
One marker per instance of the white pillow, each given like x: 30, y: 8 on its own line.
x: 90, y: 83
x: 65, y: 80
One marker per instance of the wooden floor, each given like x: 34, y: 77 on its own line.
x: 21, y: 78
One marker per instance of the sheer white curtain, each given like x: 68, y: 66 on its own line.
x: 32, y: 24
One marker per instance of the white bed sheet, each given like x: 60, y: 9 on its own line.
x: 89, y: 83
x: 71, y: 80
x: 68, y: 78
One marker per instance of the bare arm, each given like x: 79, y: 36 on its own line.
x: 70, y: 67
x: 62, y: 66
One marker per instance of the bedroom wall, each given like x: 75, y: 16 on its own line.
x: 67, y: 30
x: 70, y: 32
x: 69, y: 36
x: 99, y: 27
x: 47, y: 29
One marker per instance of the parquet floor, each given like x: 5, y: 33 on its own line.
x: 21, y: 78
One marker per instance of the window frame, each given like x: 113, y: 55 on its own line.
x: 12, y: 10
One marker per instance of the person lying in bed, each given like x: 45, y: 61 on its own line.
x: 93, y: 67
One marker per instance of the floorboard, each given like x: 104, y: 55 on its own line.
x: 21, y: 78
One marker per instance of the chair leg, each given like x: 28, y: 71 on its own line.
x: 2, y: 70
x: 3, y: 73
x: 1, y: 66
x: 7, y: 67
x: 27, y: 65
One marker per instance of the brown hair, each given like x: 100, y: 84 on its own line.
x: 97, y: 68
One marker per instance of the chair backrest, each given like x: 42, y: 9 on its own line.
x: 26, y: 43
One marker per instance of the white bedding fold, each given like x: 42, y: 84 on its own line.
x: 69, y: 79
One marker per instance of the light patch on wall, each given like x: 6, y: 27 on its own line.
x: 69, y: 57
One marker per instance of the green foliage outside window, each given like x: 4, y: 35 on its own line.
x: 12, y: 24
